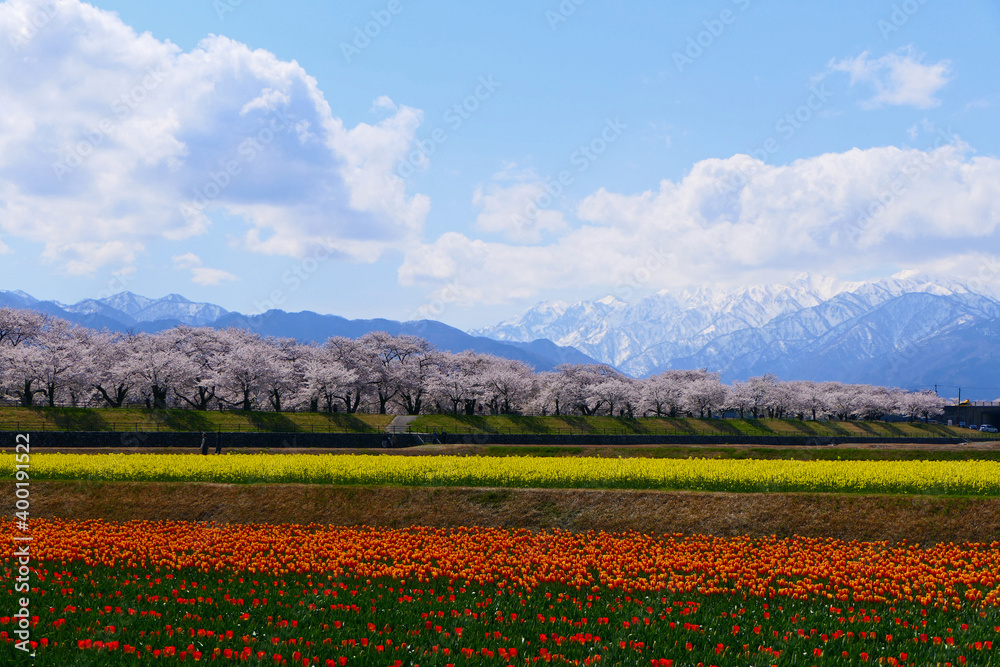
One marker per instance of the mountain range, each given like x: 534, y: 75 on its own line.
x: 128, y: 311
x: 904, y: 331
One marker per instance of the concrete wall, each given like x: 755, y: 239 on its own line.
x: 972, y: 414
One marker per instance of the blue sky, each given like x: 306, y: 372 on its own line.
x: 463, y: 162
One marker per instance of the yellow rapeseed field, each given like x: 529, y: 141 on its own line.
x: 976, y: 478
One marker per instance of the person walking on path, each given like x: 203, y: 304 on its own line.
x: 218, y: 442
x: 204, y: 445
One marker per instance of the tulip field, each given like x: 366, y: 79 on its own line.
x: 968, y: 478
x: 172, y: 592
x: 96, y: 592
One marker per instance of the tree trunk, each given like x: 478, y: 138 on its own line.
x: 202, y: 397
x: 120, y: 392
x: 351, y: 406
x: 27, y: 398
x: 159, y: 397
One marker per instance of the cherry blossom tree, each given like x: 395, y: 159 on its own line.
x: 286, y: 379
x: 661, y: 394
x: 42, y: 356
x: 18, y: 331
x: 159, y: 365
x: 928, y: 404
x: 459, y: 381
x: 704, y: 395
x: 387, y: 355
x: 740, y: 398
x: 204, y: 350
x: 809, y: 398
x: 23, y: 372
x: 550, y: 394
x: 578, y: 384
x: 616, y: 394
x: 114, y: 373
x: 42, y: 364
x: 875, y: 402
x: 418, y: 376
x: 843, y: 399
x: 328, y: 379
x: 350, y: 354
x: 20, y: 325
x: 507, y: 384
x: 761, y: 390
x: 247, y: 369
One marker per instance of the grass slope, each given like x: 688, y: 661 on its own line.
x: 571, y: 424
x: 139, y: 419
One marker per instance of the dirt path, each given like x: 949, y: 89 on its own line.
x: 577, y: 450
x: 920, y: 519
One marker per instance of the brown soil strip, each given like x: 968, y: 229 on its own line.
x: 921, y: 519
x: 472, y: 450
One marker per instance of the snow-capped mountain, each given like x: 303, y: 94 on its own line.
x: 139, y: 308
x: 886, y: 331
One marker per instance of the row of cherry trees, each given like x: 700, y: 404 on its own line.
x: 48, y: 361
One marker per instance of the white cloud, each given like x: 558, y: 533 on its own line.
x: 111, y: 140
x: 519, y: 205
x: 738, y: 220
x: 899, y: 78
x: 201, y: 275
x: 187, y: 261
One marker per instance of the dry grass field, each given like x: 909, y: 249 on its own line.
x: 924, y: 520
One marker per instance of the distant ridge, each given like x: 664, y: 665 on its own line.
x: 128, y: 311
